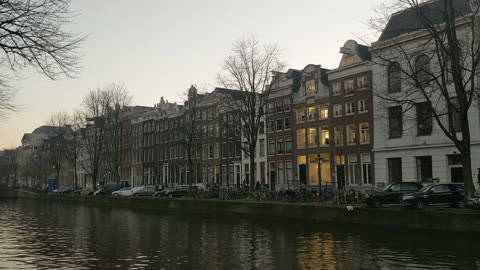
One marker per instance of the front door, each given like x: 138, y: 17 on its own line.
x: 456, y: 174
x: 341, y: 176
x: 302, y: 172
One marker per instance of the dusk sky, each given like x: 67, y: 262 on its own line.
x: 159, y: 48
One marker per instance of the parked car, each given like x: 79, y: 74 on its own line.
x: 126, y: 191
x: 145, y: 191
x: 392, y: 193
x: 177, y: 191
x: 87, y: 191
x: 473, y: 202
x: 64, y: 190
x: 78, y: 190
x: 450, y: 194
x: 108, y: 188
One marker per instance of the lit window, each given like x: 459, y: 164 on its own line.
x: 313, y: 169
x: 351, y: 134
x: 348, y: 86
x: 338, y: 136
x: 364, y: 133
x: 310, y: 89
x: 349, y: 108
x: 312, y: 113
x: 337, y: 110
x: 324, y: 136
x: 323, y: 111
x: 366, y: 169
x: 301, y: 140
x: 312, y: 137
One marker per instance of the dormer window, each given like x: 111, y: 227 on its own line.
x: 350, y: 59
x: 310, y: 88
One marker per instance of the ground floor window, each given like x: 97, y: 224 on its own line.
x: 352, y: 169
x: 424, y: 169
x: 280, y: 172
x: 366, y: 169
x: 395, y: 170
x: 325, y: 169
x: 288, y: 171
x: 313, y: 169
x: 230, y: 174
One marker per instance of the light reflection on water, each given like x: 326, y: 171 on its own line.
x: 47, y: 235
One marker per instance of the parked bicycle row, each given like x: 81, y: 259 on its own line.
x: 413, y: 195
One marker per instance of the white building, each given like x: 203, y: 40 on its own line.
x: 409, y: 144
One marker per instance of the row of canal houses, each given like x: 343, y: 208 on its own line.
x: 322, y: 127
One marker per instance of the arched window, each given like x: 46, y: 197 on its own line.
x: 394, y: 78
x: 422, y: 69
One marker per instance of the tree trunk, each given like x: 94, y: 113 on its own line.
x: 190, y: 171
x: 252, y: 172
x: 469, y: 188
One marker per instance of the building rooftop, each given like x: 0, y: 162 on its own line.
x: 409, y: 20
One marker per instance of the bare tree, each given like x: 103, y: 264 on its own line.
x: 7, y: 98
x: 435, y: 73
x: 101, y: 108
x: 58, y: 119
x: 249, y: 69
x: 73, y: 145
x: 32, y: 34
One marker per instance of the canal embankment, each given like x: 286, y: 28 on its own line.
x: 460, y: 220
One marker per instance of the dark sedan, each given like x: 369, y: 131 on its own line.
x: 178, y: 191
x: 435, y: 194
x: 392, y: 193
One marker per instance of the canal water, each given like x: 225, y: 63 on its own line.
x: 48, y: 235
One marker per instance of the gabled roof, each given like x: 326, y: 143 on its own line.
x: 234, y: 94
x: 408, y: 20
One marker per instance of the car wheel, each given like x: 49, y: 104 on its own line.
x: 115, y: 195
x: 419, y: 205
x: 136, y: 195
x: 460, y: 204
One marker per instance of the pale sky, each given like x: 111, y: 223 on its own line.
x: 160, y: 47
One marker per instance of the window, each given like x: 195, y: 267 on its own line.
x: 424, y: 119
x: 271, y: 126
x: 362, y: 106
x: 262, y: 147
x: 351, y: 134
x: 323, y: 110
x: 247, y: 173
x: 238, y: 149
x: 349, y: 59
x: 280, y: 172
x: 395, y: 170
x: 366, y: 169
x: 279, y: 106
x: 280, y: 124
x: 337, y: 88
x: 325, y: 168
x: 262, y: 127
x: 288, y: 171
x: 313, y: 169
x: 270, y: 107
x: 205, y: 149
x: 395, y: 122
x: 310, y: 89
x: 312, y: 113
x: 362, y: 82
x: 271, y: 147
x: 279, y: 145
x: 312, y: 137
x: 364, y: 133
x: 324, y: 136
x: 338, y: 136
x: 301, y: 115
x: 349, y: 108
x: 288, y: 144
x: 454, y: 119
x: 424, y: 169
x: 230, y: 174
x: 245, y: 146
x: 217, y: 150
x: 337, y: 110
x: 288, y: 124
x: 394, y: 78
x: 286, y: 105
x: 352, y: 169
x: 301, y: 140
x: 224, y: 150
x: 210, y: 150
x: 348, y: 85
x: 422, y: 70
